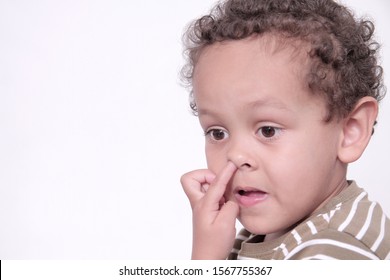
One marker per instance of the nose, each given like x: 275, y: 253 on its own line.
x: 241, y: 153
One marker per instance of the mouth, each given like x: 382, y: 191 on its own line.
x: 247, y: 196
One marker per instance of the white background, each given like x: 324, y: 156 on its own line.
x: 95, y: 130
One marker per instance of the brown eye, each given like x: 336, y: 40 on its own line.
x: 217, y: 134
x: 268, y: 131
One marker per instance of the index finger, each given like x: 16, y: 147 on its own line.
x: 218, y: 186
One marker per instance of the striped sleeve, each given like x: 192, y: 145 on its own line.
x: 361, y: 231
x: 331, y: 245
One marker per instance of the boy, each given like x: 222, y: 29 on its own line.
x: 287, y: 94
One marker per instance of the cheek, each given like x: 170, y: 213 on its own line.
x: 314, y: 149
x: 293, y: 166
x: 304, y: 170
x: 215, y: 158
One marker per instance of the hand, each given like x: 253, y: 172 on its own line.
x: 213, y: 219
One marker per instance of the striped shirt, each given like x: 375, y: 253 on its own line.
x: 349, y: 226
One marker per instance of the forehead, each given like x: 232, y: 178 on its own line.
x: 264, y: 64
x: 255, y: 47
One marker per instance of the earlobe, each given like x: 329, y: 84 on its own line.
x: 357, y: 129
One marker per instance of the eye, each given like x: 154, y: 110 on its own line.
x: 217, y: 134
x: 269, y: 132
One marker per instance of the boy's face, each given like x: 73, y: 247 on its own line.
x: 258, y: 113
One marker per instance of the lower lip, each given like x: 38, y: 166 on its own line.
x: 250, y: 200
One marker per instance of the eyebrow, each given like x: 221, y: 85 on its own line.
x: 265, y: 102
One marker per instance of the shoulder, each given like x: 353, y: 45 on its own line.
x: 330, y: 244
x: 352, y: 228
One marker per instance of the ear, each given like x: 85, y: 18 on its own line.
x: 357, y: 129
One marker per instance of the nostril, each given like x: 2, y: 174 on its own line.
x: 247, y: 165
x: 242, y: 159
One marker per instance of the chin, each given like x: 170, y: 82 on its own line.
x: 254, y: 227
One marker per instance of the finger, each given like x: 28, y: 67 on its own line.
x: 195, y: 183
x: 221, y: 202
x: 218, y: 186
x: 205, y: 187
x: 228, y: 213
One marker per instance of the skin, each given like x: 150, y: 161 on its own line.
x: 266, y: 141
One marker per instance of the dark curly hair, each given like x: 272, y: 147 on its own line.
x: 343, y: 54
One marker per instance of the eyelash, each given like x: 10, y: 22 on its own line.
x: 275, y: 133
x: 208, y: 133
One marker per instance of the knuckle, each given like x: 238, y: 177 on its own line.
x: 184, y: 178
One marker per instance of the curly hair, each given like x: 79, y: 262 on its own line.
x: 344, y: 64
